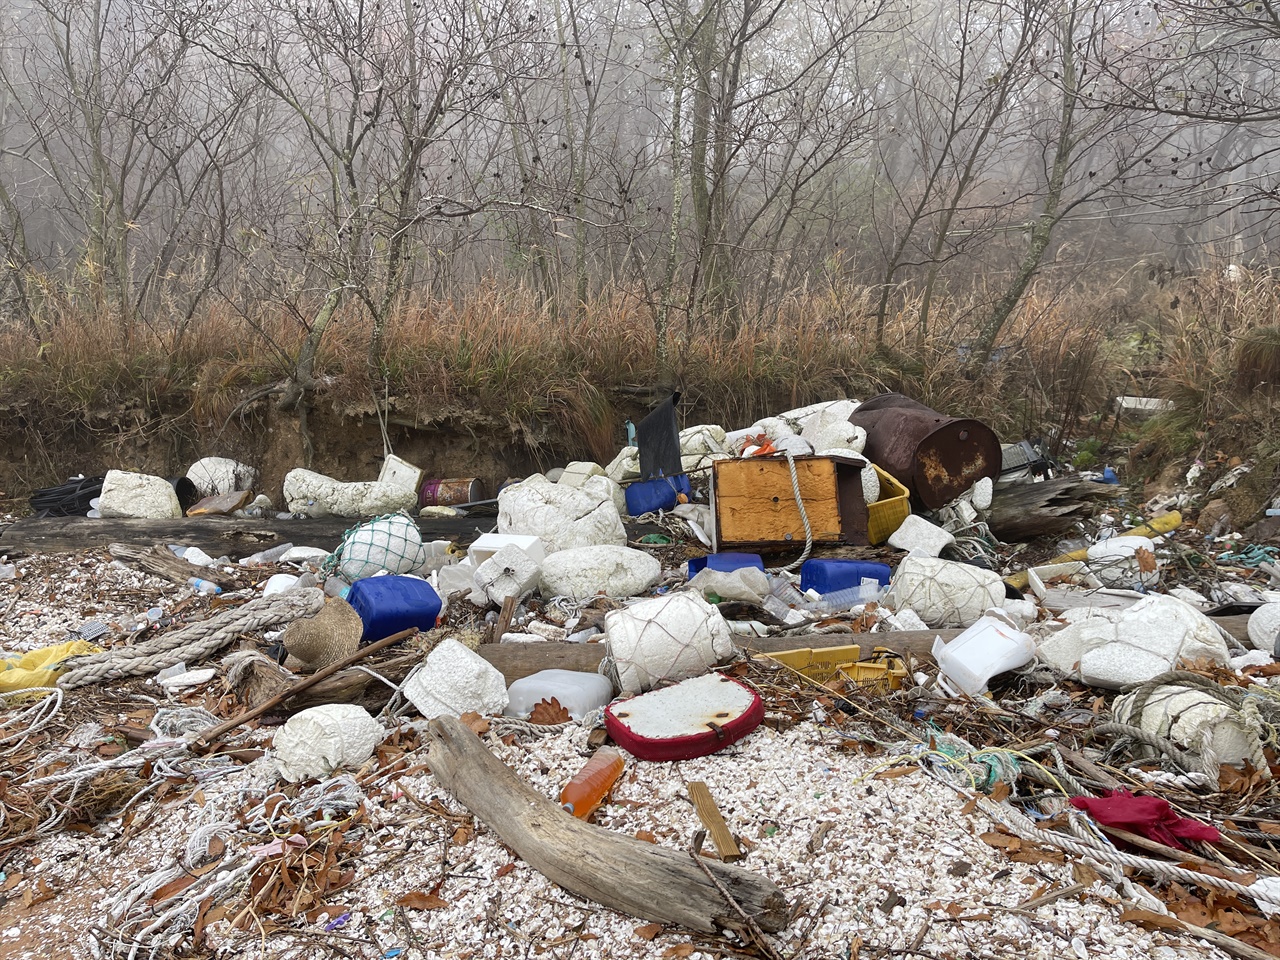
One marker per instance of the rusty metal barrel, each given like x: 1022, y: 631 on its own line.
x: 935, y: 457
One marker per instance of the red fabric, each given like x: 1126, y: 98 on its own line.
x: 1150, y: 817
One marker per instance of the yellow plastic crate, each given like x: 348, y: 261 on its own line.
x: 823, y: 664
x: 883, y: 672
x: 886, y: 515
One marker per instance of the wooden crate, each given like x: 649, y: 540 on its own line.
x: 755, y: 504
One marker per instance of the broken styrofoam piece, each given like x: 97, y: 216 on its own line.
x: 1254, y: 658
x: 774, y: 428
x: 309, y: 555
x: 578, y: 472
x: 1075, y: 570
x: 828, y: 431
x: 625, y: 466
x: 487, y: 544
x: 393, y: 544
x: 316, y: 495
x: 199, y: 557
x: 508, y: 573
x: 944, y: 593
x: 454, y: 680
x: 318, y: 741
x: 1264, y: 628
x: 1021, y: 612
x: 1193, y: 597
x: 918, y: 536
x: 795, y: 445
x: 215, y: 475
x: 692, y: 463
x: 704, y: 438
x: 401, y: 474
x: 986, y: 649
x: 750, y: 584
x: 579, y: 693
x: 870, y: 484
x: 279, y: 583
x: 138, y: 496
x: 982, y: 493
x: 904, y: 619
x: 1198, y: 722
x: 1114, y: 648
x: 668, y: 638
x: 562, y: 516
x: 456, y: 578
x: 800, y: 417
x: 186, y: 679
x: 1117, y: 563
x: 602, y: 487
x: 610, y: 570
x: 522, y: 638
x: 547, y: 631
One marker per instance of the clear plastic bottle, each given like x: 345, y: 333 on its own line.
x: 200, y: 585
x: 590, y: 785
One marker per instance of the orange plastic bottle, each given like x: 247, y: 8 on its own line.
x: 590, y: 785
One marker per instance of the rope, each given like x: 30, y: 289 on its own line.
x: 34, y: 718
x: 1184, y: 761
x: 194, y: 642
x: 804, y: 518
x: 1026, y: 830
x: 504, y: 726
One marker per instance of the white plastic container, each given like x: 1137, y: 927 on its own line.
x: 984, y: 650
x: 579, y: 693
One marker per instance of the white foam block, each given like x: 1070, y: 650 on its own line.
x: 453, y: 680
x: 917, y: 535
x: 586, y: 571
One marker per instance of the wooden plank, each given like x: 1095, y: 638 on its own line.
x: 216, y: 536
x: 622, y: 872
x: 713, y: 820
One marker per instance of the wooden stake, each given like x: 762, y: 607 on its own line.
x: 712, y: 819
x: 216, y: 733
x: 504, y: 619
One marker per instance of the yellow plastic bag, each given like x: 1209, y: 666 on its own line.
x: 40, y: 668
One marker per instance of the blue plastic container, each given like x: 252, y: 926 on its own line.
x: 388, y: 605
x: 725, y: 562
x: 828, y: 576
x: 647, y: 496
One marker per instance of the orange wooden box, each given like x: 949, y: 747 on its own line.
x: 754, y: 501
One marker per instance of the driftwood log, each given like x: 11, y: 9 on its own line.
x: 163, y: 563
x: 618, y: 871
x: 1024, y: 511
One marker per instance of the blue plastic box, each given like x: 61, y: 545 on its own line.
x: 647, y: 496
x: 828, y: 576
x: 388, y: 605
x: 725, y: 562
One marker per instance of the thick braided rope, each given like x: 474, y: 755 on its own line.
x: 1026, y: 830
x: 193, y: 642
x: 502, y: 726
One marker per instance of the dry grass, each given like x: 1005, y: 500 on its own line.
x: 495, y: 356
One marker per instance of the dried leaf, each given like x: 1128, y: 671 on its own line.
x: 894, y: 772
x: 172, y: 888
x: 646, y: 835
x: 648, y: 931
x: 1000, y: 792
x: 1002, y: 841
x: 1150, y: 921
x: 547, y: 712
x: 463, y: 834
x: 679, y: 950
x: 476, y: 723
x: 421, y: 900
x: 1081, y: 872
x: 1146, y: 560
x: 1231, y: 780
x: 1271, y: 828
x: 505, y: 869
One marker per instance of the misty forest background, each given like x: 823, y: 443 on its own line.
x: 537, y: 210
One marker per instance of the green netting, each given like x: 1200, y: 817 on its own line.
x: 391, y: 542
